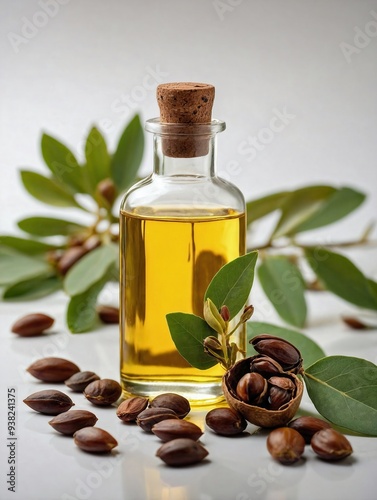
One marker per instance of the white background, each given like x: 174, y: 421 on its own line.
x: 91, y: 61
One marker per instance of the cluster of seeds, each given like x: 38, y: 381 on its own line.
x: 77, y: 423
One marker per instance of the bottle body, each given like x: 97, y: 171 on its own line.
x: 176, y: 231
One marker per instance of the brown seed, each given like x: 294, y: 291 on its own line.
x: 251, y: 388
x: 69, y: 258
x: 265, y: 365
x: 53, y: 369
x: 107, y: 190
x: 49, y: 402
x: 32, y: 324
x: 277, y: 398
x: 71, y: 421
x: 175, y: 402
x: 330, y: 444
x: 282, y: 390
x: 182, y: 451
x: 103, y: 392
x: 225, y: 421
x: 108, y: 314
x: 80, y: 380
x: 282, y: 351
x: 283, y: 382
x: 354, y: 323
x: 94, y: 440
x: 151, y: 416
x: 285, y: 445
x: 308, y: 426
x: 170, y: 429
x: 129, y: 409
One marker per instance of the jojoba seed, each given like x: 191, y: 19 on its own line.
x: 49, y: 402
x: 308, y: 426
x: 32, y: 324
x: 129, y: 409
x: 103, y: 392
x: 282, y: 351
x: 330, y: 444
x: 181, y: 451
x: 170, y: 429
x: 251, y: 387
x: 69, y: 258
x: 225, y: 421
x: 151, y: 416
x: 285, y: 445
x: 52, y: 369
x: 108, y: 314
x: 71, y: 421
x: 175, y: 402
x: 94, y: 440
x: 80, y: 380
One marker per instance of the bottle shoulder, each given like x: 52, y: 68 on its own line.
x: 197, y: 192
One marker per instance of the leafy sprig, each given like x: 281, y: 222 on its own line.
x: 342, y: 388
x: 33, y: 267
x: 283, y: 255
x: 29, y: 266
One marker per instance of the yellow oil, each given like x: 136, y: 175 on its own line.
x: 167, y: 260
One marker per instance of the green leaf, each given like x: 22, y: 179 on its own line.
x: 339, y: 275
x: 337, y: 206
x: 283, y: 284
x: 90, y: 269
x: 257, y: 209
x: 81, y: 311
x: 310, y: 350
x: 48, y: 226
x: 188, y: 333
x: 231, y: 285
x: 300, y: 206
x: 128, y: 156
x: 62, y: 163
x: 47, y: 190
x: 16, y: 267
x: 344, y: 390
x: 33, y: 288
x: 97, y: 157
x: 31, y: 247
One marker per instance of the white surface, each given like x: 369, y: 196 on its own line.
x: 262, y: 56
x: 50, y: 467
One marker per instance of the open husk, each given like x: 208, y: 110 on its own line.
x: 256, y: 414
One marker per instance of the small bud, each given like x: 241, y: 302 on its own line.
x: 225, y: 314
x: 247, y: 313
x: 212, y: 343
x: 213, y: 317
x: 213, y: 347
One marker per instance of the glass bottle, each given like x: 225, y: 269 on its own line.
x: 178, y: 227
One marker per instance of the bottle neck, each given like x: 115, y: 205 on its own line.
x: 184, y: 149
x: 195, y: 166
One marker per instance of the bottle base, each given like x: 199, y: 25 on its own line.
x: 199, y: 394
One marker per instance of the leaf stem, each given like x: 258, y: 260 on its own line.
x: 350, y: 243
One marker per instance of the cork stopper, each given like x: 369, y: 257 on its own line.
x: 187, y: 104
